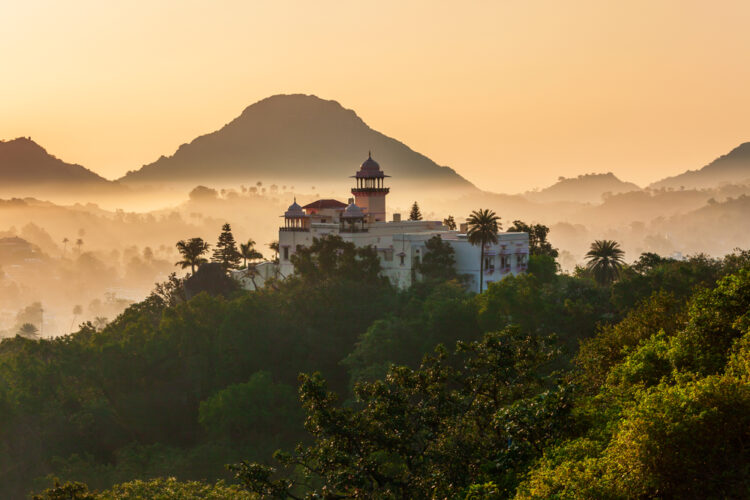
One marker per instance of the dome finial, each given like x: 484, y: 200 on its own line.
x: 369, y: 153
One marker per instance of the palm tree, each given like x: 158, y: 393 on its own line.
x: 192, y: 252
x: 605, y: 261
x: 100, y: 322
x: 248, y: 251
x: 28, y: 331
x: 483, y: 227
x: 79, y: 244
x: 65, y: 245
x: 274, y: 246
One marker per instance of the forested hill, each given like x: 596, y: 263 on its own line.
x: 731, y: 168
x: 293, y: 138
x: 627, y: 385
x: 588, y: 188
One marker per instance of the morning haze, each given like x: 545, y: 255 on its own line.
x: 510, y: 238
x: 491, y: 89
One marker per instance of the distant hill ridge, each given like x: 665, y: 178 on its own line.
x: 732, y: 168
x: 586, y: 188
x: 24, y: 162
x: 288, y: 137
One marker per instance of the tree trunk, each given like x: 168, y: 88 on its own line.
x: 481, y: 268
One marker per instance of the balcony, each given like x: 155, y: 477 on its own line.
x: 295, y: 229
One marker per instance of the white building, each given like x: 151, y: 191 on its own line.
x: 400, y: 244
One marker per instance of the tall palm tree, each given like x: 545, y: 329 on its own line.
x: 65, y: 245
x: 484, y: 225
x: 79, y: 244
x: 192, y: 252
x: 29, y: 331
x: 274, y: 246
x: 248, y: 252
x: 605, y: 260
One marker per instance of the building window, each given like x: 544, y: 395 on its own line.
x: 402, y: 258
x: 488, y: 264
x: 286, y: 253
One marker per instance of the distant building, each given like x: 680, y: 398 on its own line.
x: 400, y: 244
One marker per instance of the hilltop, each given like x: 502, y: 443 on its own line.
x: 587, y: 188
x: 293, y: 138
x: 26, y: 168
x: 731, y: 168
x: 23, y: 161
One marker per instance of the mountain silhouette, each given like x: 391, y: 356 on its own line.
x: 24, y: 162
x: 731, y: 168
x: 588, y: 188
x: 293, y: 138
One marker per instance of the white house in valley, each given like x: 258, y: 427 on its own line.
x: 400, y: 243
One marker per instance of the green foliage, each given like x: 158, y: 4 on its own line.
x: 568, y: 307
x: 67, y: 491
x: 656, y: 404
x: 248, y: 252
x: 427, y: 316
x: 484, y: 225
x: 438, y: 262
x: 171, y: 489
x: 331, y: 258
x: 415, y: 213
x: 686, y: 441
x: 538, y: 244
x: 28, y: 331
x: 413, y: 434
x: 154, y: 489
x: 543, y: 267
x: 210, y: 278
x: 605, y: 261
x: 715, y: 319
x: 225, y: 251
x: 192, y: 252
x: 652, y: 273
x: 255, y: 410
x: 598, y: 355
x: 450, y: 223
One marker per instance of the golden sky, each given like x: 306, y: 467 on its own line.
x: 511, y: 93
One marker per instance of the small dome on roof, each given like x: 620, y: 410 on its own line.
x: 353, y: 212
x: 294, y: 210
x: 369, y: 164
x: 294, y: 207
x: 370, y: 169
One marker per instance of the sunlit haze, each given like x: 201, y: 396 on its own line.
x: 510, y: 94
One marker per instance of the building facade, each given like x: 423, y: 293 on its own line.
x: 400, y: 243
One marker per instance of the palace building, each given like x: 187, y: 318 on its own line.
x: 400, y: 243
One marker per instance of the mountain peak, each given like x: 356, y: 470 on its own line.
x: 583, y: 188
x: 23, y: 162
x: 293, y: 138
x: 732, y: 168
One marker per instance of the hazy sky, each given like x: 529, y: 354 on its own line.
x: 511, y: 94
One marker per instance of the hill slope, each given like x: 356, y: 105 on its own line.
x: 23, y: 161
x: 733, y: 167
x: 292, y: 138
x: 587, y: 188
x: 27, y: 169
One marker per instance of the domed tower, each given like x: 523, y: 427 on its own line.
x: 295, y: 218
x: 369, y: 195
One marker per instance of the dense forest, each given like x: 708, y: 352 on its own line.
x: 632, y: 384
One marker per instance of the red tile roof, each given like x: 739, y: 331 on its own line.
x: 325, y: 204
